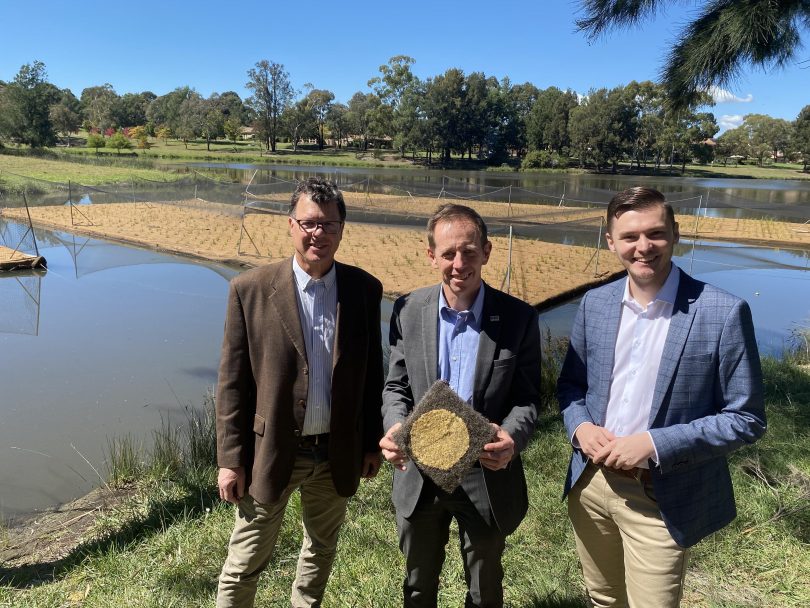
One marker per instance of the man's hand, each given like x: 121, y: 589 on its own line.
x: 390, y: 449
x: 498, y: 454
x: 592, y: 438
x: 626, y: 452
x: 231, y: 484
x: 371, y: 464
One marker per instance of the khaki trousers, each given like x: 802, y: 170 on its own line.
x: 257, y: 526
x: 628, y: 556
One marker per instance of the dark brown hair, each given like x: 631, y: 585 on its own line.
x: 450, y: 212
x: 322, y: 192
x: 638, y: 197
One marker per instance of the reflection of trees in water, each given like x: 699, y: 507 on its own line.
x: 20, y: 302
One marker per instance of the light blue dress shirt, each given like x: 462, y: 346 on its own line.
x: 458, y: 344
x: 317, y: 309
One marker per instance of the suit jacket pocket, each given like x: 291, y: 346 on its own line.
x: 258, y: 425
x: 504, y: 362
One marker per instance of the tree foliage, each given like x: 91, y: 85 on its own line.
x: 272, y: 94
x: 25, y: 107
x: 715, y: 46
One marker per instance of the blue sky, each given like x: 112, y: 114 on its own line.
x: 160, y: 45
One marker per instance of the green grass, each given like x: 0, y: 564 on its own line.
x: 243, y: 152
x: 166, y: 547
x: 39, y: 173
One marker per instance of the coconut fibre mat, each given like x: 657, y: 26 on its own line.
x: 444, y: 436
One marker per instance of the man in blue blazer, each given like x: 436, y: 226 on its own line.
x: 661, y: 381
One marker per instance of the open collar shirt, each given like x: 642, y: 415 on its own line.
x: 637, y: 358
x: 458, y: 344
x: 317, y: 309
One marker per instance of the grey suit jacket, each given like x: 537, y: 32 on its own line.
x: 708, y: 398
x: 506, y: 391
x: 263, y: 378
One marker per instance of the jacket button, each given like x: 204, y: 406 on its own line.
x: 302, y: 403
x: 297, y: 433
x: 306, y: 371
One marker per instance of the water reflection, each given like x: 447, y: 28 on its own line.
x: 748, y: 198
x: 20, y: 300
x: 127, y: 338
x: 775, y: 282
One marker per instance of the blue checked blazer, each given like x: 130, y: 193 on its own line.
x: 708, y: 398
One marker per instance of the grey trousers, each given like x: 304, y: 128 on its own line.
x: 423, y: 537
x: 256, y: 530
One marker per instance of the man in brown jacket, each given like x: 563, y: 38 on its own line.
x: 298, y: 398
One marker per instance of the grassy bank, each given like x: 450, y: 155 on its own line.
x: 44, y: 173
x: 165, y: 545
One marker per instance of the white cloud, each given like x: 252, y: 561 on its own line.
x: 730, y: 121
x: 722, y: 96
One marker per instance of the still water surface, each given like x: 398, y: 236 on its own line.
x: 124, y: 340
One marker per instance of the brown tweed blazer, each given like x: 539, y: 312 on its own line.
x: 262, y: 390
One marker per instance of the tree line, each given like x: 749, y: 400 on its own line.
x: 444, y: 117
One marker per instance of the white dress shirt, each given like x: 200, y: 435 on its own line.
x: 639, y: 345
x: 317, y: 309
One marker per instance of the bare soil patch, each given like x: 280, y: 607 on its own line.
x: 46, y: 538
x: 395, y: 254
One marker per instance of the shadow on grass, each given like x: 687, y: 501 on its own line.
x: 160, y: 516
x: 555, y: 600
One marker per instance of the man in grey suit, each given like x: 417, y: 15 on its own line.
x: 486, y: 345
x: 661, y: 381
x: 298, y: 399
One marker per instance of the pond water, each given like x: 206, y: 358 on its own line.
x: 115, y: 340
x: 110, y: 341
x: 786, y: 199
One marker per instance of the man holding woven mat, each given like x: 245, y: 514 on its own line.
x: 486, y: 345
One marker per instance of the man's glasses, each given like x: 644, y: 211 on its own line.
x: 310, y: 226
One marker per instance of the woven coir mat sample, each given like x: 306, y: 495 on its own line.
x: 443, y: 436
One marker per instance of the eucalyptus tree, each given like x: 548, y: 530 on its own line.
x: 516, y: 103
x: 65, y: 116
x: 299, y: 120
x: 444, y: 100
x: 769, y: 135
x: 164, y: 111
x: 191, y: 117
x: 129, y: 110
x: 394, y: 86
x: 97, y: 106
x: 337, y: 122
x: 25, y: 107
x: 320, y: 101
x: 362, y: 116
x: 716, y: 44
x: 603, y: 127
x: 547, y: 122
x: 685, y: 135
x: 801, y: 137
x: 732, y: 143
x: 272, y: 95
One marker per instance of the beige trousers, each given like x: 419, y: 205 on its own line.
x: 628, y: 556
x: 257, y: 526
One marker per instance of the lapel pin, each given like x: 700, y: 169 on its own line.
x: 494, y: 318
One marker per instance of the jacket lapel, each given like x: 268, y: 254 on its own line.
x: 283, y: 299
x: 348, y: 306
x: 487, y: 345
x: 430, y: 331
x: 683, y: 314
x: 608, y: 321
